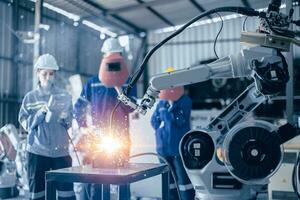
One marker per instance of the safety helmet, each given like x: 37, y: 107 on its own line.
x: 46, y: 61
x: 111, y: 45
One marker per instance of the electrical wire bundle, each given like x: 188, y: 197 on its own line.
x: 296, y: 176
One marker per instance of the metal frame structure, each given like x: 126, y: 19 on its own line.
x: 290, y: 84
x: 157, y: 14
x: 120, y: 176
x: 104, y: 11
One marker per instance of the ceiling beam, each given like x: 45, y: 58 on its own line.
x: 157, y: 14
x: 95, y: 15
x: 199, y: 7
x: 140, y: 6
x: 120, y: 19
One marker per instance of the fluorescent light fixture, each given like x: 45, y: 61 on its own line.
x: 76, y: 18
x: 99, y: 28
x: 208, y: 21
x: 60, y: 11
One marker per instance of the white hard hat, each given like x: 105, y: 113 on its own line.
x: 111, y: 45
x: 46, y: 61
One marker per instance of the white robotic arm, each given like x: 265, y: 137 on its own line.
x: 242, y: 64
x: 231, y: 157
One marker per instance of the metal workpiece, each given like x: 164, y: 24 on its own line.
x: 122, y: 176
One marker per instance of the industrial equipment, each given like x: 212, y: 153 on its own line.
x: 9, y: 141
x: 233, y: 158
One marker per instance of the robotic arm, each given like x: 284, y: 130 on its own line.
x: 232, y: 156
x: 242, y: 64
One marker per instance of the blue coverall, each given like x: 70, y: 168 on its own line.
x: 171, y: 122
x: 47, y: 142
x: 102, y: 100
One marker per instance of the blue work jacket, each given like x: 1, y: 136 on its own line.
x: 101, y: 101
x: 171, y: 122
x: 45, y: 138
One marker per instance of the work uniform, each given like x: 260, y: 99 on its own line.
x: 47, y: 142
x: 101, y: 101
x: 171, y: 122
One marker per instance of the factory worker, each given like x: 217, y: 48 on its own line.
x: 100, y: 95
x: 171, y: 120
x: 46, y: 114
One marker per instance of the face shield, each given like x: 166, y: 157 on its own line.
x: 113, y: 70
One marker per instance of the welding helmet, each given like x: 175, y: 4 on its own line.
x: 171, y: 94
x: 113, y: 70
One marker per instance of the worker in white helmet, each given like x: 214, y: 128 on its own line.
x: 46, y: 114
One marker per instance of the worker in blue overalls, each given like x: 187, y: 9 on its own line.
x: 100, y: 94
x: 171, y: 120
x: 46, y: 114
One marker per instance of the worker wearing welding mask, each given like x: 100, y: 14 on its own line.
x: 171, y: 120
x: 46, y: 114
x: 100, y: 93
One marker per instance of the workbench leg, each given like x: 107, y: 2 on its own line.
x: 124, y: 192
x: 165, y: 185
x: 50, y: 190
x: 105, y: 192
x: 96, y: 191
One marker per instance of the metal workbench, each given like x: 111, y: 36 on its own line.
x: 119, y: 176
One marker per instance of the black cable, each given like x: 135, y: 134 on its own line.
x: 241, y: 10
x: 112, y: 116
x: 244, y: 23
x: 295, y: 176
x: 216, y: 38
x: 169, y: 165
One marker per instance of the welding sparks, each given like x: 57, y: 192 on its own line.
x: 109, y: 144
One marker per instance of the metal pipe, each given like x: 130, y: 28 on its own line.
x: 37, y: 36
x: 290, y: 84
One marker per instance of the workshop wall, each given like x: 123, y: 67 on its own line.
x: 196, y: 43
x: 76, y: 49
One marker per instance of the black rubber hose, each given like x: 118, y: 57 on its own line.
x: 240, y: 10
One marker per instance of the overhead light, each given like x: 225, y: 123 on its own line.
x: 124, y: 40
x: 69, y: 15
x: 76, y: 18
x: 102, y: 36
x: 99, y: 28
x: 75, y: 24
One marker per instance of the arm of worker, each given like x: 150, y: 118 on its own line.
x: 27, y: 118
x: 179, y: 113
x: 81, y: 104
x: 155, y: 119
